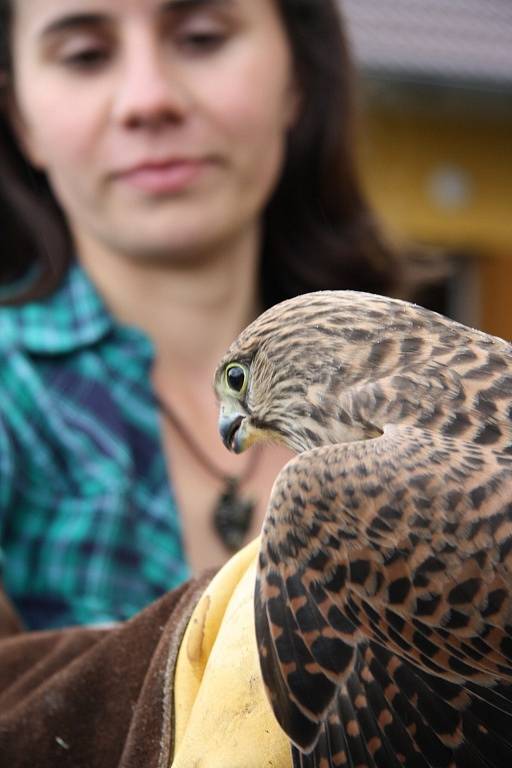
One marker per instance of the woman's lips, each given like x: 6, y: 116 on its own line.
x: 163, y: 178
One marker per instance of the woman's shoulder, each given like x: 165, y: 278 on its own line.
x: 68, y: 318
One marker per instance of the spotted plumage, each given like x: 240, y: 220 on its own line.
x: 383, y: 600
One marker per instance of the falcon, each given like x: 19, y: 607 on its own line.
x: 383, y: 596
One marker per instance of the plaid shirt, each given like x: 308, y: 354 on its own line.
x: 89, y: 528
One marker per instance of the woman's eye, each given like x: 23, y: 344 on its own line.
x: 201, y: 39
x: 86, y: 59
x: 236, y: 378
x: 204, y: 39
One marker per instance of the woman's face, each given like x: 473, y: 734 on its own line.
x: 160, y: 125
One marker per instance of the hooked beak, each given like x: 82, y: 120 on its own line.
x: 231, y: 428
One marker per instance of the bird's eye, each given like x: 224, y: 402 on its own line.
x: 236, y: 378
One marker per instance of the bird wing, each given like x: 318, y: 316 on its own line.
x: 383, y: 603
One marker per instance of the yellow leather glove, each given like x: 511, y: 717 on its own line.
x: 222, y: 717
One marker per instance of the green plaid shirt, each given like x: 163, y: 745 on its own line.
x: 89, y: 530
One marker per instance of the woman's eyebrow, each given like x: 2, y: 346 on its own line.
x: 185, y: 5
x: 72, y: 22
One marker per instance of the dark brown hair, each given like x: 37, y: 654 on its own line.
x: 319, y: 230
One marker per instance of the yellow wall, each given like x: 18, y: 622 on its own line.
x: 407, y: 153
x: 495, y: 272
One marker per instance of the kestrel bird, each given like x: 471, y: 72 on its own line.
x: 383, y: 597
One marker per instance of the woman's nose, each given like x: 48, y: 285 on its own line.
x: 149, y: 91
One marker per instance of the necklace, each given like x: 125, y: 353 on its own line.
x: 232, y: 513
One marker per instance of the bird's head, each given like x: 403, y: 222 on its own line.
x: 283, y: 378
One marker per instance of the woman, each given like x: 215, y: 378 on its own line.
x: 170, y: 169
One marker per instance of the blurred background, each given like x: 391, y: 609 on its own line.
x: 435, y: 143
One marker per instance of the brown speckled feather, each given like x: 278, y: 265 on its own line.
x: 383, y: 598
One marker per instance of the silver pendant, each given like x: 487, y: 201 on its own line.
x: 232, y: 516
